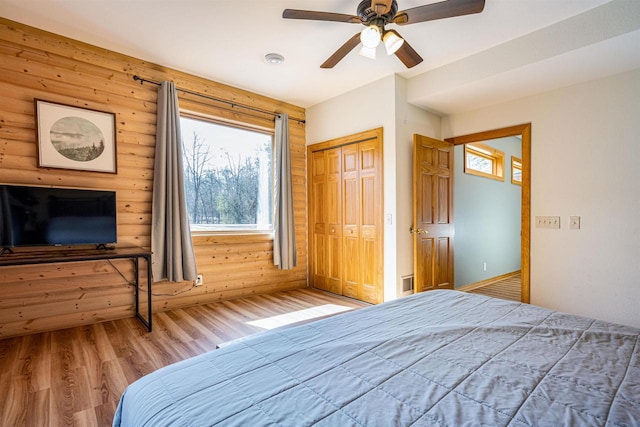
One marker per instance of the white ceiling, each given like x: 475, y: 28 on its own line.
x: 512, y: 49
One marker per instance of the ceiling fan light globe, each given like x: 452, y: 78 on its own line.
x: 370, y: 36
x: 392, y: 42
x: 367, y: 52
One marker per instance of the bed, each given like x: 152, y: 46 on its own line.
x: 439, y: 358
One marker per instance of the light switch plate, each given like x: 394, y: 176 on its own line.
x: 547, y: 222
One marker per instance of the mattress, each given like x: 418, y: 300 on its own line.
x: 439, y: 358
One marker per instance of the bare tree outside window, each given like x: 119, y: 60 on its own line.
x: 228, y: 176
x: 196, y: 156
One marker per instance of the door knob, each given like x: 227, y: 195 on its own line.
x: 417, y: 231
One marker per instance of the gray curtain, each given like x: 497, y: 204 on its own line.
x: 7, y: 237
x: 284, y: 240
x: 171, y: 244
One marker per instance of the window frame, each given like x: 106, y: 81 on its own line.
x: 247, y: 127
x: 487, y: 152
x: 516, y: 164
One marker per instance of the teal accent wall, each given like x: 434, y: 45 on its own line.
x: 487, y: 219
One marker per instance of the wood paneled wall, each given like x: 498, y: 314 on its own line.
x: 38, y: 64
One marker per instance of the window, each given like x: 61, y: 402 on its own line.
x: 483, y: 160
x: 228, y: 176
x: 516, y: 171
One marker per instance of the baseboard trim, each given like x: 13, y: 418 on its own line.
x: 488, y: 281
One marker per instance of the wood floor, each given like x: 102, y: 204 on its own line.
x: 76, y: 376
x: 508, y: 288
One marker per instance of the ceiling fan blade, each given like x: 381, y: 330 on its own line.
x: 342, y: 51
x: 320, y: 16
x: 433, y: 11
x: 380, y: 7
x: 408, y: 55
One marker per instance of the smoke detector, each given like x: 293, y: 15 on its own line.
x: 274, y: 58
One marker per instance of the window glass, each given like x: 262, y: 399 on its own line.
x: 479, y: 163
x: 484, y: 160
x: 228, y: 176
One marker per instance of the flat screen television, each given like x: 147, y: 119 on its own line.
x: 36, y: 216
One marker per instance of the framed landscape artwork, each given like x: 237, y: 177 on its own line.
x: 75, y: 138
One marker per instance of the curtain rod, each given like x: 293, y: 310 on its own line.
x: 213, y: 98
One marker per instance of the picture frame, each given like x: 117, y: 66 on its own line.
x: 75, y: 138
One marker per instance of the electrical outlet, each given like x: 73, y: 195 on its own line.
x: 574, y: 222
x: 199, y: 280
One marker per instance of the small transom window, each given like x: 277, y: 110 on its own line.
x: 483, y: 160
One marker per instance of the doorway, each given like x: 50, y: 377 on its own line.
x: 487, y: 203
x: 524, y: 132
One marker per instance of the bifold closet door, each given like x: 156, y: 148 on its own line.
x: 361, y: 230
x: 334, y: 250
x: 345, y: 211
x: 326, y: 207
x: 351, y: 273
x: 370, y: 216
x: 318, y: 220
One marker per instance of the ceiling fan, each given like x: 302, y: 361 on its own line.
x: 375, y: 14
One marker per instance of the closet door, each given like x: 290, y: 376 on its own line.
x: 333, y: 238
x: 318, y: 220
x: 361, y: 228
x: 326, y: 214
x: 370, y: 213
x: 351, y: 272
x: 345, y: 216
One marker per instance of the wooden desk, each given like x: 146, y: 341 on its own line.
x: 79, y: 255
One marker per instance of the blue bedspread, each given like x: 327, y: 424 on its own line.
x: 440, y: 358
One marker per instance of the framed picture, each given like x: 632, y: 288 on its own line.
x: 75, y: 138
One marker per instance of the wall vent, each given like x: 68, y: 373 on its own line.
x: 407, y: 283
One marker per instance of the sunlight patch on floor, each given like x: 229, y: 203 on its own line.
x: 298, y: 316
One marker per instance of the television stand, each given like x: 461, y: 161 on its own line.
x: 5, y: 250
x: 104, y: 247
x: 134, y: 253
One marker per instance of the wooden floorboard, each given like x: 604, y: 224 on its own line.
x: 509, y: 289
x: 75, y: 377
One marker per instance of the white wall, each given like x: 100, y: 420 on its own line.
x: 381, y: 104
x: 585, y: 155
x: 368, y: 107
x: 409, y: 120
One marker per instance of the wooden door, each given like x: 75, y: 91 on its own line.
x: 432, y: 213
x: 351, y: 273
x: 334, y: 216
x: 325, y: 212
x: 345, y: 216
x: 371, y: 227
x: 318, y: 220
x: 361, y: 226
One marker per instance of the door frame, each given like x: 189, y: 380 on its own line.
x: 524, y: 131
